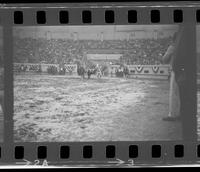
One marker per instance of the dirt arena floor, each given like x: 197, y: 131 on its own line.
x: 63, y: 108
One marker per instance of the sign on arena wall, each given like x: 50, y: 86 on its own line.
x: 145, y: 71
x: 150, y: 70
x: 71, y: 68
x: 104, y: 56
x: 44, y: 67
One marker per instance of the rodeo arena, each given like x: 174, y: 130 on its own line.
x: 92, y: 83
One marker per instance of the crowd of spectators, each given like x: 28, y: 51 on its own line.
x: 135, y: 51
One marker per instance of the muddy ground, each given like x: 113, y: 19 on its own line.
x: 63, y: 108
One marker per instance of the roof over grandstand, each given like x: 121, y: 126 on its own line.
x: 92, y: 31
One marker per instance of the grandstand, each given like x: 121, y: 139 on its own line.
x: 136, y: 44
x: 145, y: 52
x: 114, y: 45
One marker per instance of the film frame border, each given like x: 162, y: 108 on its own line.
x: 122, y: 148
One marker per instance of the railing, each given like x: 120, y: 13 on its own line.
x: 145, y: 71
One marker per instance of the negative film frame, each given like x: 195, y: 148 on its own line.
x: 99, y: 158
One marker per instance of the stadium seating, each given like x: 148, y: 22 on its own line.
x: 138, y: 51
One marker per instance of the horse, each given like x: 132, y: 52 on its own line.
x: 52, y: 70
x: 91, y: 72
x: 81, y: 71
x: 126, y: 72
x: 99, y: 72
x: 119, y: 72
x: 23, y: 68
x: 62, y: 71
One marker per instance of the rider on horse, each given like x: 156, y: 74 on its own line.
x: 126, y: 71
x: 99, y: 72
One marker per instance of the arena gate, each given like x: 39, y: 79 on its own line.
x: 31, y: 67
x: 145, y: 71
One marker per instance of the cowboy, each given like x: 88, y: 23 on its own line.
x: 174, y: 97
x: 99, y: 74
x: 121, y: 71
x: 2, y: 87
x: 126, y: 71
x: 81, y: 71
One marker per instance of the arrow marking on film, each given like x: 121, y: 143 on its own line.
x: 24, y: 162
x: 63, y: 162
x: 117, y: 161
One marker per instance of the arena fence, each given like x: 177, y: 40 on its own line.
x: 35, y: 67
x: 135, y: 71
x: 145, y: 71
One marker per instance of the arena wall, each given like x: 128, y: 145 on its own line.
x: 145, y: 71
x: 135, y: 71
x: 150, y: 71
x: 69, y: 67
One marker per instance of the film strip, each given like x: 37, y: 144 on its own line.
x: 105, y: 84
